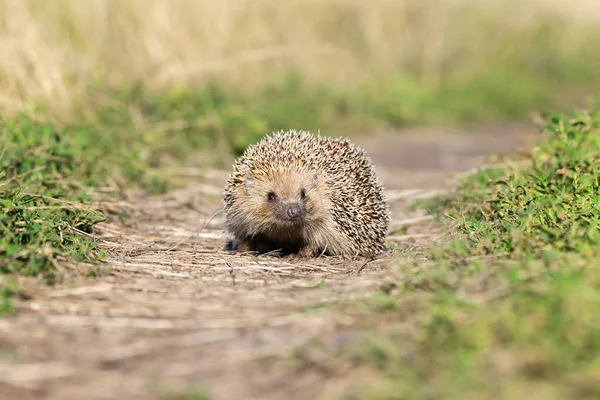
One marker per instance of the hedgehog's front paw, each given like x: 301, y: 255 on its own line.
x: 245, y: 247
x: 307, y: 252
x: 232, y: 245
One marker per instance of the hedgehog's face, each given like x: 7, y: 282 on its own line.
x: 284, y: 199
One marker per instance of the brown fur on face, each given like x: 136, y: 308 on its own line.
x: 284, y: 204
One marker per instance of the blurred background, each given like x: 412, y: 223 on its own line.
x: 167, y: 76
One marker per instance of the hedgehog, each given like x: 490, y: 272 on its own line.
x: 299, y: 194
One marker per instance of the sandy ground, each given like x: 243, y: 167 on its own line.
x: 172, y: 309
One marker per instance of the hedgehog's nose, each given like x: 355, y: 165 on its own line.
x: 294, y: 211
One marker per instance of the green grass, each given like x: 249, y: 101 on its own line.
x: 8, y: 289
x: 549, y: 201
x: 43, y: 213
x: 191, y: 393
x: 508, y: 308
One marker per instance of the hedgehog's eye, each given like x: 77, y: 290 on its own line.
x: 302, y: 194
x: 271, y: 196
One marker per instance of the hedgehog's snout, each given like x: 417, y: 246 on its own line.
x: 294, y: 211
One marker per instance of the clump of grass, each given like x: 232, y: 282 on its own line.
x: 43, y: 213
x: 548, y: 200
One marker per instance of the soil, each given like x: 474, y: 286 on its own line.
x: 171, y: 309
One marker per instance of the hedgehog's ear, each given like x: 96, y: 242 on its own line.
x: 248, y: 180
x: 315, y: 179
x: 248, y: 184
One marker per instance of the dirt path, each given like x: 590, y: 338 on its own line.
x: 174, y: 310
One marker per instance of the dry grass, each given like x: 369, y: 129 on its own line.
x: 53, y: 51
